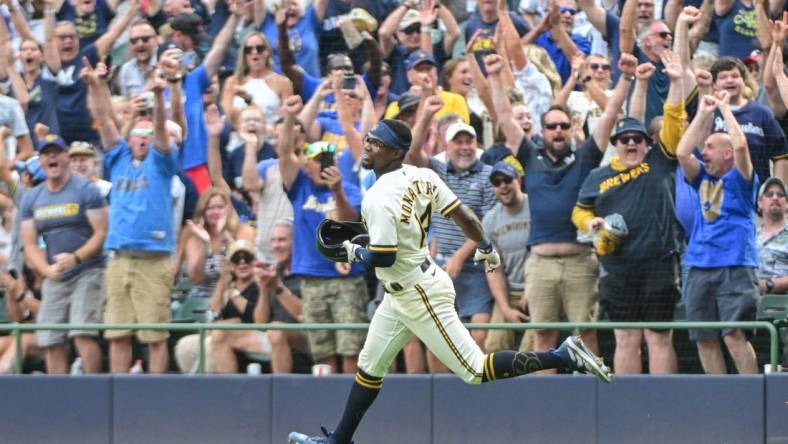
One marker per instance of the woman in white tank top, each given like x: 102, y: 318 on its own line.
x: 255, y: 82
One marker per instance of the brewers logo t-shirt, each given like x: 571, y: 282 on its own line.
x: 61, y: 220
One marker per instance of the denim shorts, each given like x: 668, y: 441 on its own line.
x: 473, y: 293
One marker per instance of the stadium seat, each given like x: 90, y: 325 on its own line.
x: 3, y: 314
x: 773, y: 307
x: 192, y: 310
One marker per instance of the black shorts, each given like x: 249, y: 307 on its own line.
x: 641, y: 294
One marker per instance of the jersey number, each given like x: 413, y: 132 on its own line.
x: 424, y: 225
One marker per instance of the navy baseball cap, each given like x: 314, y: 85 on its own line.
x: 418, y: 57
x: 407, y: 101
x: 51, y: 140
x: 629, y: 125
x: 167, y: 46
x: 505, y: 168
x: 190, y: 24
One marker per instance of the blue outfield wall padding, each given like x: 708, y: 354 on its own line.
x: 530, y: 409
x: 691, y: 409
x: 401, y: 413
x: 55, y: 409
x: 172, y: 409
x: 777, y: 408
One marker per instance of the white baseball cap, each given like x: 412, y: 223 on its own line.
x: 457, y: 128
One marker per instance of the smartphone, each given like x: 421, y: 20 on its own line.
x: 349, y: 82
x: 326, y: 160
x: 147, y: 98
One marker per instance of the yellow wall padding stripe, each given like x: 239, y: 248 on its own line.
x: 452, y: 206
x: 374, y: 385
x: 443, y: 333
x: 383, y: 248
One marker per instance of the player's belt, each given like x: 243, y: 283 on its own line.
x: 394, y: 286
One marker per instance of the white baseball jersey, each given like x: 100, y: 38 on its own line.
x: 397, y: 211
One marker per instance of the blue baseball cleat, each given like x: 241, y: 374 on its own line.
x: 582, y: 360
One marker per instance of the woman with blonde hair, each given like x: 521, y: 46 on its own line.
x: 255, y: 81
x: 215, y: 226
x: 594, y: 75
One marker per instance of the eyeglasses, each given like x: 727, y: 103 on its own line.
x: 498, y: 181
x: 771, y: 194
x: 564, y: 9
x: 255, y: 48
x: 243, y: 256
x: 412, y: 29
x: 142, y: 38
x: 665, y: 34
x: 602, y: 66
x: 554, y: 126
x: 626, y: 138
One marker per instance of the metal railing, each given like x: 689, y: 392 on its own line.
x: 17, y: 330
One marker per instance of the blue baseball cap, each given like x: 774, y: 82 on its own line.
x: 505, y: 168
x: 51, y: 140
x: 629, y: 125
x: 418, y: 57
x: 31, y: 166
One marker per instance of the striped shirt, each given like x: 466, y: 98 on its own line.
x: 473, y: 188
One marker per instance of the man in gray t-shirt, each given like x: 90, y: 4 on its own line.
x: 508, y: 224
x: 69, y: 215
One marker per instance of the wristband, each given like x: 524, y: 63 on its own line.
x: 629, y: 77
x: 425, y: 28
x: 769, y: 285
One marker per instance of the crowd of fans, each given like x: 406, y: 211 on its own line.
x: 617, y: 153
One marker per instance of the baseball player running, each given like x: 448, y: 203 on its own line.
x: 419, y: 296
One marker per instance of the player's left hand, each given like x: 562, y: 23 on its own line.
x: 351, y: 250
x: 491, y: 257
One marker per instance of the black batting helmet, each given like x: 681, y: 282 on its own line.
x: 331, y: 234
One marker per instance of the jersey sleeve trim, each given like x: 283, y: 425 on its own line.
x: 383, y: 248
x: 780, y: 157
x: 450, y: 208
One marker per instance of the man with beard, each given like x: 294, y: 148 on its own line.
x: 71, y: 216
x: 135, y: 73
x: 722, y: 252
x: 561, y: 272
x: 64, y: 61
x: 508, y: 224
x: 772, y: 238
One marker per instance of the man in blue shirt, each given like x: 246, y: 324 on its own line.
x: 141, y: 235
x: 486, y: 19
x: 331, y: 292
x: 554, y: 34
x: 722, y: 253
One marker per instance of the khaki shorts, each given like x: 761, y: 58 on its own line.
x: 565, y: 284
x: 498, y: 340
x: 337, y: 301
x: 138, y: 292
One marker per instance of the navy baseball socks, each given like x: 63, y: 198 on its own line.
x: 363, y: 393
x: 572, y: 355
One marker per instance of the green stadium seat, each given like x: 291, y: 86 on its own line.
x: 773, y: 307
x: 192, y: 310
x: 3, y: 313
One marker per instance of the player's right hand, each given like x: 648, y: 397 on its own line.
x: 491, y: 257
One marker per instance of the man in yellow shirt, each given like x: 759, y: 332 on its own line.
x: 422, y: 72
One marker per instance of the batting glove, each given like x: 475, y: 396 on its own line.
x: 488, y: 255
x: 351, y: 249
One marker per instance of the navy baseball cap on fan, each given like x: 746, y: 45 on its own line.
x: 505, y: 168
x: 383, y: 133
x: 51, y: 140
x: 167, y: 46
x: 629, y: 125
x: 407, y: 102
x: 418, y: 57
